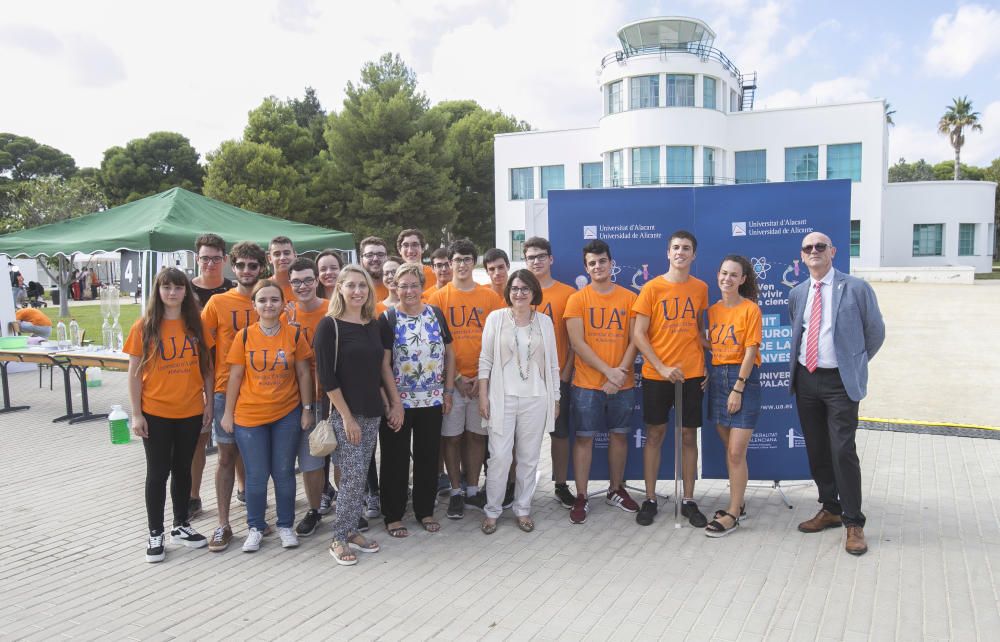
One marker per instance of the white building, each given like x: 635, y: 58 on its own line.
x: 677, y: 111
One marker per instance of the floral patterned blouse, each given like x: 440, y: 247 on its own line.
x: 417, y: 344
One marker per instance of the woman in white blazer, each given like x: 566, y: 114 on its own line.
x: 518, y: 395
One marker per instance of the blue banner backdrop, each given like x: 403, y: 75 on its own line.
x: 764, y: 222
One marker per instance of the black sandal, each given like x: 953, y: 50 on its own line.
x: 743, y: 513
x: 716, y: 528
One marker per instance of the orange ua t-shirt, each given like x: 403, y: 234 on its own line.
x: 306, y: 320
x: 430, y: 279
x: 605, y: 329
x: 270, y: 388
x: 732, y: 330
x: 553, y: 304
x: 381, y: 292
x: 466, y: 312
x: 33, y: 316
x: 674, y: 310
x: 172, y: 385
x: 224, y: 315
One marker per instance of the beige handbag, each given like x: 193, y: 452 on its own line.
x: 323, y: 439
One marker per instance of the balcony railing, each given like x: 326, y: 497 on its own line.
x: 667, y: 181
x: 692, y: 48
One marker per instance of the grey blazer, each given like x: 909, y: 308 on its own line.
x: 858, y: 329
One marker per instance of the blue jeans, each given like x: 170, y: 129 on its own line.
x: 269, y: 452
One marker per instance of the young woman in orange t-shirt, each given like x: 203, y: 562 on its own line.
x: 734, y: 386
x: 269, y: 400
x: 170, y: 375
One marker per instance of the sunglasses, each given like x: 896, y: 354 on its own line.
x: 240, y: 265
x: 819, y: 247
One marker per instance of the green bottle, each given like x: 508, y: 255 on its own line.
x: 118, y: 425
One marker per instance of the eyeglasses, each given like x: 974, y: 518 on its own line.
x: 240, y: 265
x: 463, y: 260
x: 535, y: 257
x: 819, y: 247
x: 409, y: 286
x: 440, y: 266
x: 520, y: 290
x: 298, y: 283
x: 214, y: 260
x: 374, y: 255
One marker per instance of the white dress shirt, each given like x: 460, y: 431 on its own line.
x: 827, y: 354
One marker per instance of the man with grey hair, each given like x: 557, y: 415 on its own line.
x: 836, y: 329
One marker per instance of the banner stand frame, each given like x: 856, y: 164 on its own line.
x: 776, y: 485
x: 678, y: 471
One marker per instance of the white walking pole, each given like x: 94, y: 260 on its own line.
x: 678, y: 421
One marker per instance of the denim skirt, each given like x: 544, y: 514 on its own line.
x: 720, y: 384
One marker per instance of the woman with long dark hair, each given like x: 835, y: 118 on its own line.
x: 170, y: 375
x: 734, y: 332
x: 328, y: 266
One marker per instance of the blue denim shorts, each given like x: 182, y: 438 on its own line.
x: 219, y: 435
x: 595, y: 411
x: 720, y: 384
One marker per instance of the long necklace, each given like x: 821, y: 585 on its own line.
x: 526, y: 369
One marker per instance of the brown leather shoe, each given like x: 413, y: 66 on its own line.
x: 823, y: 520
x: 856, y: 541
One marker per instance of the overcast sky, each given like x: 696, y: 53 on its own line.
x: 84, y: 76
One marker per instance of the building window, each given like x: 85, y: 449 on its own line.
x: 708, y: 95
x: 613, y: 101
x: 517, y: 242
x: 680, y: 91
x: 801, y: 163
x: 553, y: 177
x: 928, y: 239
x: 967, y: 239
x: 680, y: 165
x: 855, y: 238
x: 615, y: 168
x: 591, y: 175
x: 645, y: 92
x: 708, y: 165
x: 844, y: 161
x: 751, y: 166
x: 734, y: 101
x: 646, y: 166
x: 522, y: 183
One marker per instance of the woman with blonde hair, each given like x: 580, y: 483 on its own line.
x: 354, y: 371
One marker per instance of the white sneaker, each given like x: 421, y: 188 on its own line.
x: 186, y: 535
x: 154, y: 548
x: 252, y: 542
x: 288, y: 537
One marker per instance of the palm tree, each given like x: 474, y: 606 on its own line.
x: 889, y: 111
x: 959, y: 116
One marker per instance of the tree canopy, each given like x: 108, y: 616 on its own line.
x: 23, y: 158
x: 148, y: 166
x: 956, y: 119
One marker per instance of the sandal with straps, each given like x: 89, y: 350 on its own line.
x: 341, y: 552
x: 743, y: 513
x: 365, y: 545
x: 716, y: 528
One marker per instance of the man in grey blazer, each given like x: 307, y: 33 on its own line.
x: 836, y: 328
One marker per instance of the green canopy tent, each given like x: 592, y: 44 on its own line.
x: 165, y: 222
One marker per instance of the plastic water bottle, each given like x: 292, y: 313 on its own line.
x: 74, y: 333
x: 61, y: 339
x: 93, y: 377
x: 107, y: 339
x: 117, y: 342
x: 118, y: 425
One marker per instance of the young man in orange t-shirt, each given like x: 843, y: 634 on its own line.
x: 374, y: 253
x: 599, y: 322
x: 538, y: 257
x: 466, y: 305
x: 497, y: 267
x: 411, y: 245
x: 305, y: 313
x: 224, y: 316
x: 33, y: 322
x: 281, y: 254
x: 670, y: 334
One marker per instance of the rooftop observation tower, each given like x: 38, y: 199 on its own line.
x: 667, y: 95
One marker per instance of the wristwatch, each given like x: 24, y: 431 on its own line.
x: 307, y: 406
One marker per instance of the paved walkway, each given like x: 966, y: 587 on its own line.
x: 72, y: 558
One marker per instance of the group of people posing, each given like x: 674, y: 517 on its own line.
x: 454, y: 376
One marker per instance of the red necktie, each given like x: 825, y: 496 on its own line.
x: 815, y: 321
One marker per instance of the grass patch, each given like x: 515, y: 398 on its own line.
x: 995, y: 275
x: 89, y: 318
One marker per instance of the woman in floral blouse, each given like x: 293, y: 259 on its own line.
x: 422, y: 361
